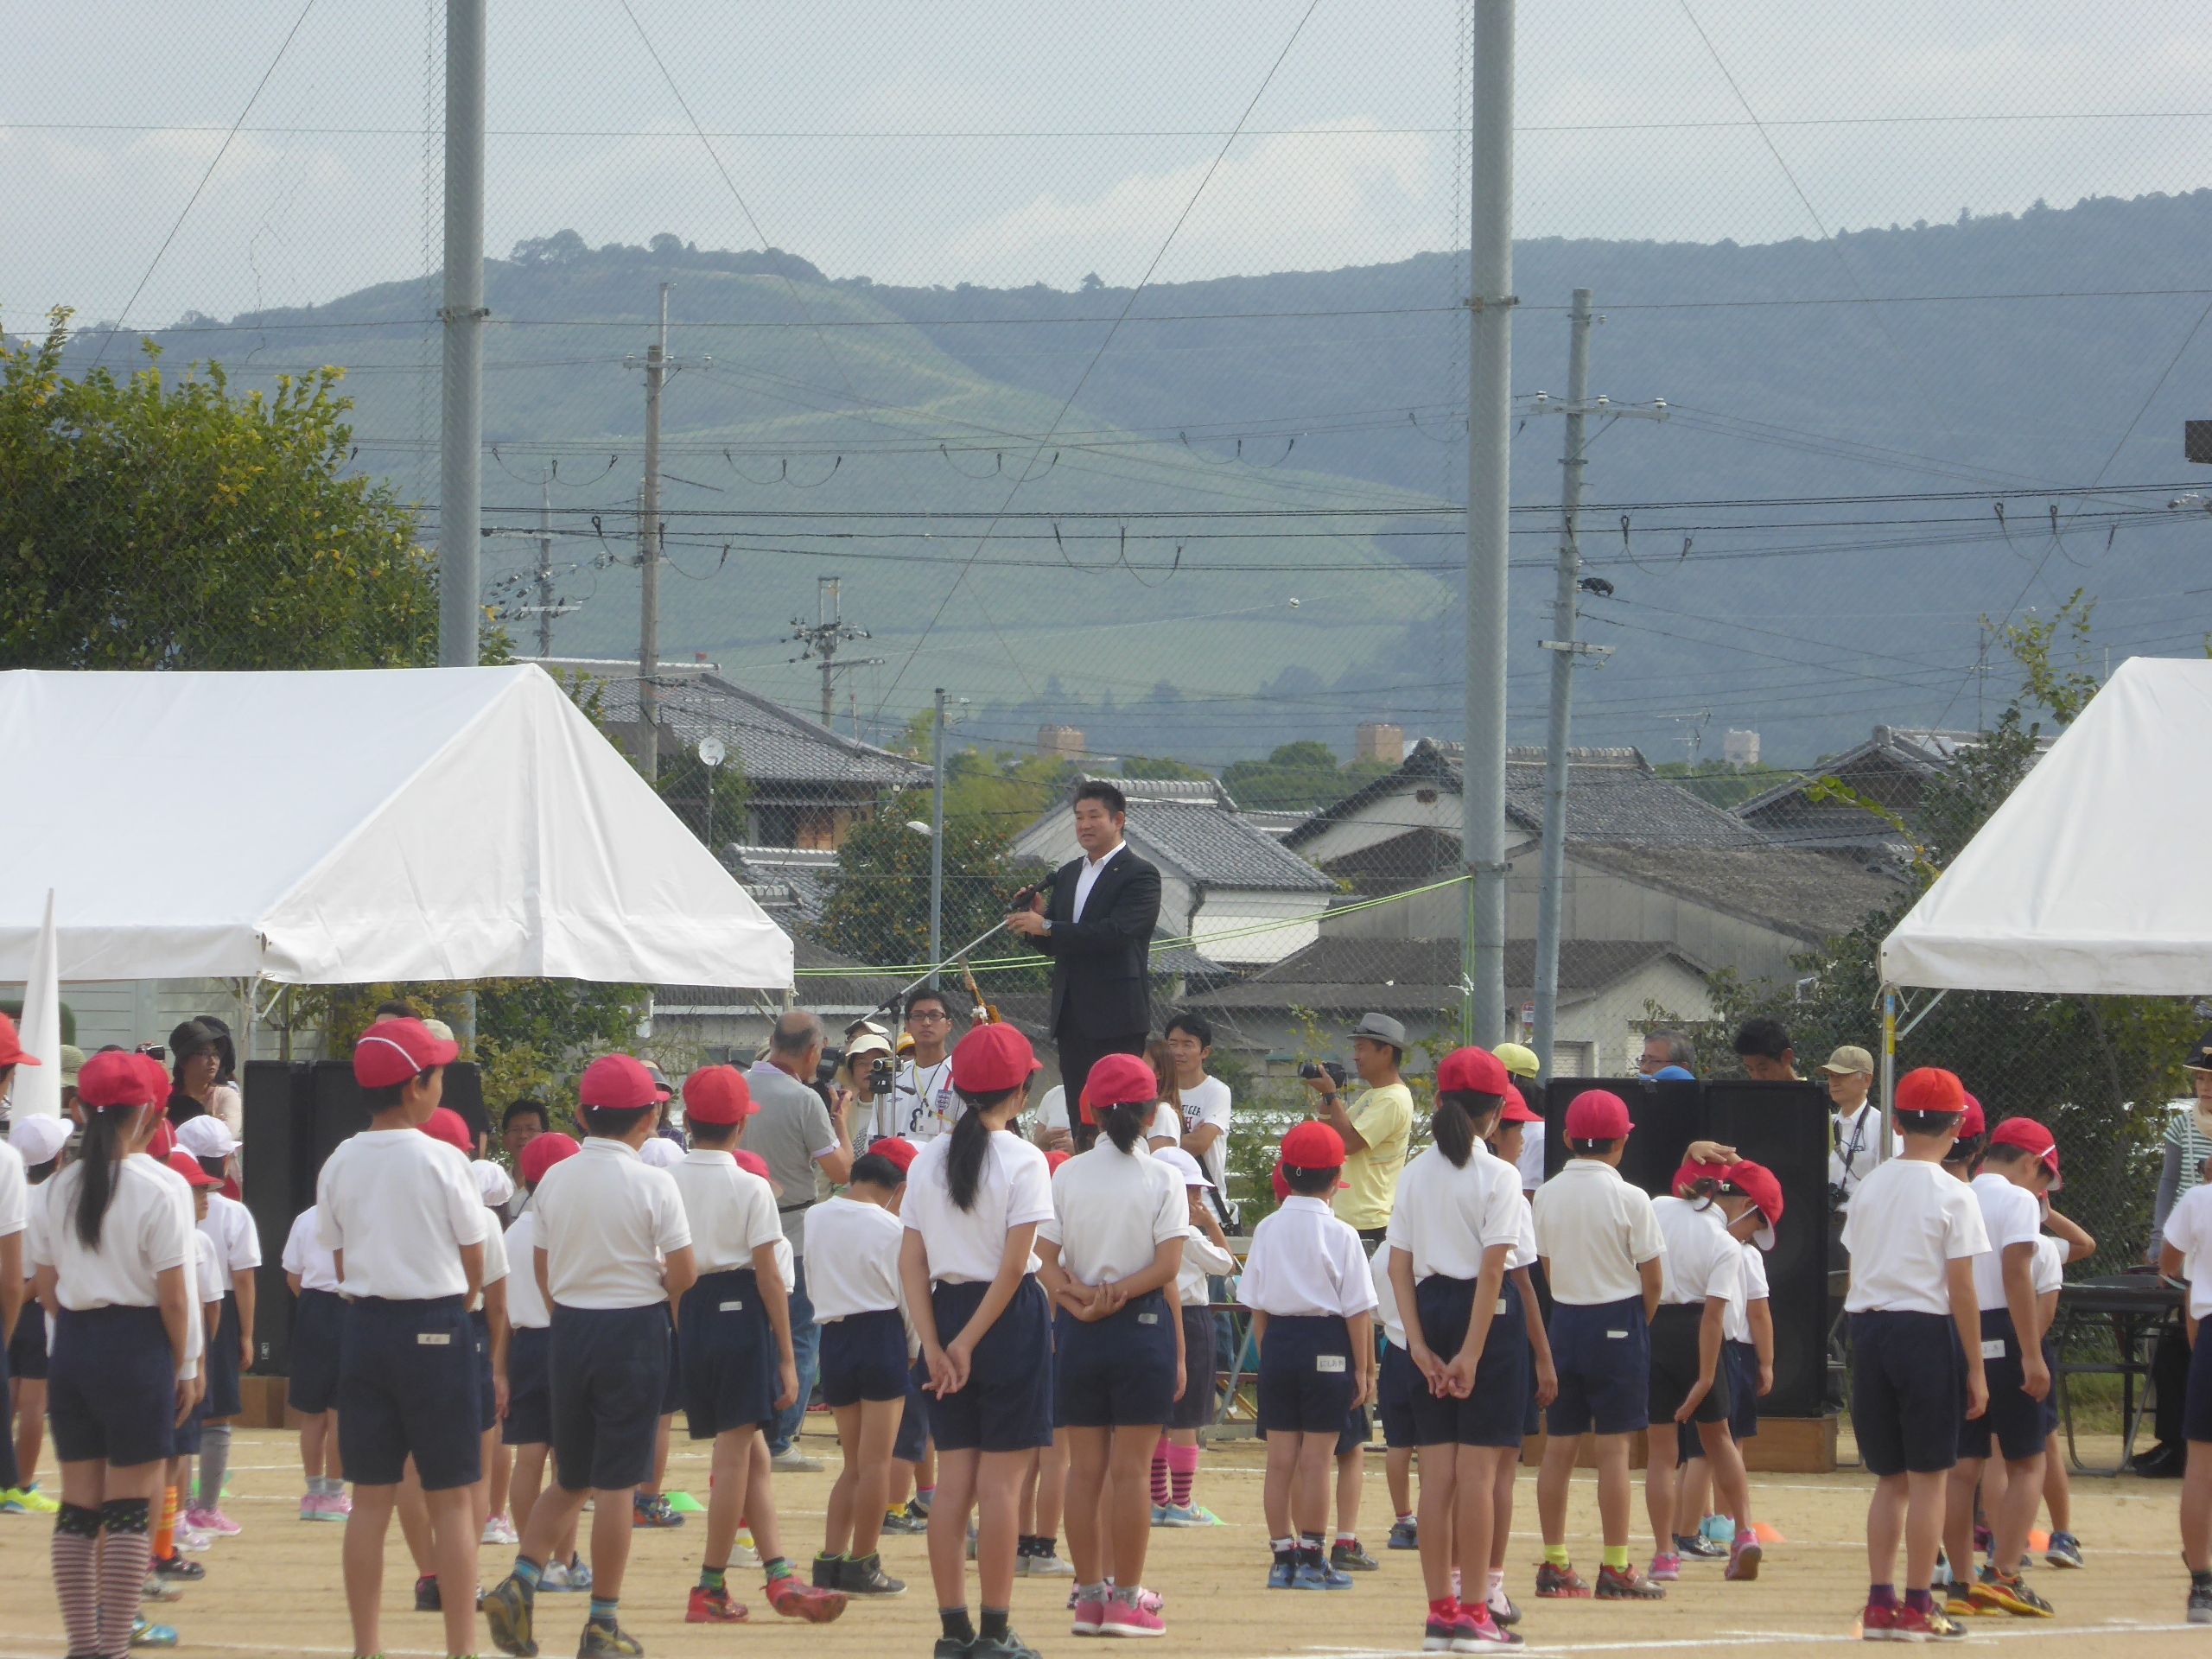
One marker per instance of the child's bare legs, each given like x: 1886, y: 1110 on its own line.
x: 1553, y: 1475
x: 1692, y: 1492
x: 1613, y: 1453
x: 1398, y: 1475
x: 652, y: 1488
x: 1732, y: 1485
x: 1909, y: 1507
x: 1351, y: 1470
x: 1051, y: 1488
x: 1659, y: 1466
x: 729, y: 1500
x: 859, y: 1497
x: 1280, y: 1484
x: 30, y: 1418
x: 1441, y: 1473
x: 500, y: 1468
x: 1957, y: 1523
x: 1310, y: 1497
x: 2196, y: 1507
x: 2058, y: 1486
x: 523, y: 1489
x: 1501, y: 1509
x: 2012, y: 1514
x: 479, y: 1492
x: 415, y: 1522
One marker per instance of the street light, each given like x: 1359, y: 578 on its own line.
x: 711, y: 754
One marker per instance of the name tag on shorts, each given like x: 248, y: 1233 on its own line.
x: 1501, y: 1305
x: 1329, y: 1365
x: 1147, y: 1318
x: 1614, y: 1336
x: 433, y: 1338
x: 733, y: 1307
x: 1993, y: 1349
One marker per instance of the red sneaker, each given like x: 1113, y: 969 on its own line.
x: 712, y: 1607
x: 1878, y: 1624
x: 1560, y: 1583
x: 802, y: 1601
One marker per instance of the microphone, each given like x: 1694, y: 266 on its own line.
x: 1043, y: 884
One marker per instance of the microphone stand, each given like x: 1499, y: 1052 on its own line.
x: 899, y: 996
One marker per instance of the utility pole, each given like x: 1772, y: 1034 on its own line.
x: 936, y: 837
x: 1490, y: 433
x: 649, y: 556
x: 546, y: 610
x: 821, y: 638
x: 1565, y: 652
x: 461, y: 427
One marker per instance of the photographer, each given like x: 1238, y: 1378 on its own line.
x: 921, y: 1105
x: 867, y: 1073
x: 1857, y: 1137
x: 1376, y: 1126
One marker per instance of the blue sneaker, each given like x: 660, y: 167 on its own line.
x: 1159, y: 1514
x: 1717, y: 1529
x: 1282, y: 1575
x: 1405, y: 1534
x: 1310, y: 1577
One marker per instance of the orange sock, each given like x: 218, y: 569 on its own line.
x: 165, y: 1534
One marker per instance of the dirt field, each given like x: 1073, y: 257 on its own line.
x: 277, y: 1590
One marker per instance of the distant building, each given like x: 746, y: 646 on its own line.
x: 1063, y: 742
x: 1379, y: 740
x: 1740, y: 749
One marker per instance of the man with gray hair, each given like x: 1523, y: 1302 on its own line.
x: 797, y: 1129
x: 1668, y: 1057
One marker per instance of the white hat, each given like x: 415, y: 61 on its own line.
x: 1183, y: 1165
x: 492, y: 1182
x: 39, y: 1137
x: 206, y: 1137
x: 661, y: 1153
x: 868, y: 1042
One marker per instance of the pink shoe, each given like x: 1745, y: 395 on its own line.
x: 1665, y: 1569
x: 214, y: 1522
x: 339, y: 1505
x: 1126, y: 1614
x: 1090, y: 1612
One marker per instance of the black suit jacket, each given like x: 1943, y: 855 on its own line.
x: 1100, y: 964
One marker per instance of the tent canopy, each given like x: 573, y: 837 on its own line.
x: 398, y: 824
x: 2091, y: 878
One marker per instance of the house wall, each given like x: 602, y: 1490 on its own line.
x: 1224, y: 911
x: 1386, y: 820
x: 129, y: 1012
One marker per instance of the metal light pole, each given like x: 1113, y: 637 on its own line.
x: 710, y: 756
x: 936, y: 835
x: 461, y: 424
x: 649, y: 564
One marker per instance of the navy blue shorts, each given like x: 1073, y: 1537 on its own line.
x: 1677, y: 1364
x: 1117, y: 1372
x: 2013, y: 1423
x: 1491, y: 1413
x: 111, y: 1386
x: 529, y: 1388
x: 1307, y: 1376
x: 1201, y: 1375
x: 223, y: 1397
x: 1532, y: 1414
x: 8, y: 1408
x: 406, y: 1384
x: 1907, y: 1379
x: 186, y: 1438
x: 1742, y: 1362
x: 671, y: 1397
x: 1602, y: 1351
x: 318, y: 1329
x: 2196, y: 1419
x: 609, y: 1369
x: 727, y: 1355
x: 913, y: 1441
x: 1394, y: 1383
x: 479, y: 1355
x: 864, y: 1358
x: 1007, y: 1405
x: 1357, y: 1430
x: 26, y: 1359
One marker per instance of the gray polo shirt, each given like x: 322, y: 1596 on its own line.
x: 790, y: 1130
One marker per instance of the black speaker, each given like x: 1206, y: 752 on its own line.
x: 1784, y: 1126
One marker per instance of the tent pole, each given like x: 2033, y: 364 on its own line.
x: 1889, y: 1072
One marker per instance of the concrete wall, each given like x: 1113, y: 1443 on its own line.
x: 1227, y: 911
x: 1386, y: 820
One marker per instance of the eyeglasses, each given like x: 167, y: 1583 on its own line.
x: 927, y: 1014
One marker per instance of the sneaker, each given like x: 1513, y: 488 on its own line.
x: 1349, y: 1557
x: 191, y: 1541
x: 1437, y: 1634
x: 1626, y: 1584
x: 1984, y: 1540
x: 1310, y: 1577
x: 554, y: 1578
x: 427, y: 1599
x: 792, y: 1461
x: 712, y: 1607
x: 1717, y: 1529
x: 498, y: 1529
x: 179, y: 1570
x: 1404, y: 1534
x: 1560, y: 1583
x: 907, y: 1520
x: 1044, y: 1562
x: 1502, y: 1609
x: 311, y: 1507
x: 1177, y: 1515
x: 507, y: 1613
x: 157, y: 1588
x: 213, y: 1523
x: 1282, y: 1575
x: 579, y: 1576
x: 1912, y: 1624
x: 1088, y: 1611
x: 1126, y: 1614
x: 946, y: 1648
x: 802, y: 1601
x: 607, y: 1642
x: 337, y: 1505
x: 652, y: 1509
x: 1744, y: 1560
x: 12, y: 1501
x: 2005, y: 1592
x: 1665, y: 1569
x: 1008, y: 1646
x: 865, y: 1576
x: 2199, y: 1598
x: 744, y: 1552
x: 29, y: 1500
x: 1476, y: 1631
x: 1699, y: 1548
x: 1879, y: 1623
x: 2065, y: 1550
x: 1958, y: 1602
x: 144, y: 1633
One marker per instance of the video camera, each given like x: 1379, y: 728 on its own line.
x: 1313, y: 1070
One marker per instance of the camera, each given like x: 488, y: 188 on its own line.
x: 880, y: 1075
x: 826, y: 1072
x: 1313, y: 1070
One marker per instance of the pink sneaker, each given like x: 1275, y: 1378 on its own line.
x: 214, y: 1522
x: 1090, y: 1611
x: 338, y: 1505
x: 1665, y: 1569
x: 1126, y: 1614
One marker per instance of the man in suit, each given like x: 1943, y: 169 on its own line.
x: 1095, y: 923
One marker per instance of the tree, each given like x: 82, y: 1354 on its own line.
x: 879, y: 907
x: 1092, y: 281
x: 1299, y: 777
x: 681, y: 783
x: 561, y: 248
x: 666, y: 245
x: 146, y: 522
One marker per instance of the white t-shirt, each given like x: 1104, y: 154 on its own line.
x: 2189, y: 1229
x: 1447, y: 1219
x: 1201, y: 1257
x: 209, y: 1270
x: 922, y: 1104
x: 1206, y: 1103
x: 1594, y: 1231
x: 1386, y: 1298
x: 1531, y: 1161
x: 526, y: 1309
x: 304, y: 1253
x: 965, y: 1246
x: 1736, y: 1325
x: 1111, y: 1211
x: 497, y: 1266
x: 2011, y: 1215
x: 144, y: 1233
x: 1702, y: 1261
x: 15, y: 1193
x: 731, y: 1211
x: 1166, y: 1125
x: 606, y: 1220
x: 1523, y: 1253
x: 1857, y: 1147
x: 238, y: 1243
x: 852, y: 1259
x: 1053, y: 1109
x: 1304, y: 1261
x: 2050, y: 1264
x: 400, y: 1206
x: 1908, y: 1221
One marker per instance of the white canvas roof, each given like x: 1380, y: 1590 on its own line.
x: 2091, y: 878
x: 350, y: 827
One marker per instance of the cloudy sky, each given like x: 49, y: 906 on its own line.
x: 1001, y: 143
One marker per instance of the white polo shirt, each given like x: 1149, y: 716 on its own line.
x: 1594, y: 1231
x: 1736, y: 1325
x: 2011, y: 1215
x: 1447, y: 1219
x: 1304, y: 1261
x: 731, y: 1211
x: 1112, y: 1210
x: 2189, y: 1229
x: 15, y: 1193
x: 400, y: 1206
x: 1702, y: 1261
x: 965, y: 1246
x: 852, y: 1259
x: 143, y: 1234
x: 526, y: 1309
x: 2050, y: 1264
x: 1531, y: 1161
x: 209, y: 1270
x: 304, y: 1253
x: 606, y: 1221
x: 1908, y: 1222
x: 237, y: 1243
x: 1386, y: 1298
x: 1523, y: 1254
x: 1202, y: 1258
x: 497, y: 1264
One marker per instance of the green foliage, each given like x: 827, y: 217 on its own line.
x: 146, y: 522
x: 879, y: 906
x: 1301, y: 776
x: 683, y: 783
x: 1160, y: 766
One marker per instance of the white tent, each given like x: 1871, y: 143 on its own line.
x: 2091, y: 878
x: 400, y: 824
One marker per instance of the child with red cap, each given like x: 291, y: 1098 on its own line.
x: 527, y: 1429
x: 1506, y: 1141
x: 402, y: 1216
x: 1601, y: 1247
x: 171, y: 1571
x: 311, y: 1389
x: 1307, y: 1282
x: 1912, y: 1232
x: 615, y: 1249
x: 1752, y: 1198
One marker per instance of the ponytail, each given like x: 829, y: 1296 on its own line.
x: 971, y: 1140
x: 106, y: 1129
x: 1124, y: 1122
x: 1452, y: 1124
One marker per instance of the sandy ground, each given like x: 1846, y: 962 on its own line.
x: 276, y: 1589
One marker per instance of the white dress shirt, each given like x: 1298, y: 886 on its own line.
x: 1304, y: 1261
x: 1087, y: 877
x: 1594, y: 1231
x: 965, y: 1246
x: 606, y: 1221
x: 1202, y: 1258
x: 15, y: 1193
x: 1386, y: 1298
x: 142, y: 1234
x: 1908, y: 1221
x: 400, y: 1207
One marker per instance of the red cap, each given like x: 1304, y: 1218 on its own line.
x: 753, y: 1164
x: 543, y: 1153
x: 1931, y: 1088
x: 620, y: 1083
x: 1059, y: 1155
x: 1973, y: 1124
x: 1119, y: 1080
x: 1691, y: 1173
x: 392, y: 1051
x: 717, y: 1094
x: 1595, y: 1114
x: 1313, y: 1146
x: 1517, y: 1108
x: 189, y: 1166
x: 896, y: 1150
x: 1276, y: 1179
x: 1477, y: 1070
x: 446, y: 1125
x: 2030, y: 1135
x: 11, y: 1045
x: 117, y: 1079
x: 992, y: 1058
x: 1757, y: 1183
x: 156, y: 1075
x: 162, y: 1142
